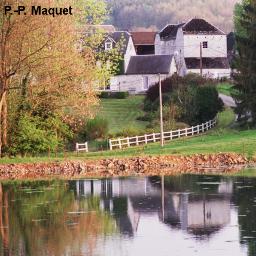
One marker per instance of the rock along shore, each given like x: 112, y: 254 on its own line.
x: 136, y: 166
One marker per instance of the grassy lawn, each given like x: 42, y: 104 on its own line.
x: 225, y: 88
x: 220, y: 139
x: 123, y: 113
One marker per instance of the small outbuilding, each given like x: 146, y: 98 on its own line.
x: 143, y: 72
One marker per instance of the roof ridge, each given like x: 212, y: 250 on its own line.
x: 169, y: 24
x: 204, y: 20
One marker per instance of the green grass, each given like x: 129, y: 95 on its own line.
x: 220, y: 139
x: 225, y: 88
x: 122, y: 113
x: 248, y: 172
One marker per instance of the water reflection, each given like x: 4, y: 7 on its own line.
x: 185, y: 215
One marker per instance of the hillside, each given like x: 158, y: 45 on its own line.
x: 122, y: 114
x: 134, y: 14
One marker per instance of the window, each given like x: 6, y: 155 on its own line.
x: 205, y: 44
x: 145, y: 82
x: 108, y: 46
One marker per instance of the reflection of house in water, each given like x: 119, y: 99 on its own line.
x: 200, y: 215
x: 128, y: 199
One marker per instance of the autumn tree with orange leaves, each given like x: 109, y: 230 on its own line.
x: 43, y: 66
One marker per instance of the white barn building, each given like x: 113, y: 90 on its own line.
x: 139, y: 71
x: 143, y: 72
x: 179, y: 48
x: 184, y: 40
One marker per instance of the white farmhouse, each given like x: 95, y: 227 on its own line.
x: 184, y: 41
x: 124, y: 41
x: 139, y: 72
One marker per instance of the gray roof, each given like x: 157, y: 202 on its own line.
x: 194, y: 26
x: 169, y: 32
x: 201, y: 26
x: 149, y: 64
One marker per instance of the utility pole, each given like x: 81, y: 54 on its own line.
x: 162, y: 196
x: 161, y: 111
x: 201, y: 59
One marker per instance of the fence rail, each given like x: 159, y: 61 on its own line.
x: 82, y: 147
x: 155, y: 137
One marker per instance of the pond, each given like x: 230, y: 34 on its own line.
x: 177, y: 215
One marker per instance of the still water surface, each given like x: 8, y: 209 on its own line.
x: 185, y: 215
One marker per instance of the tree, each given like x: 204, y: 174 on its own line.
x: 40, y: 54
x: 131, y: 14
x: 245, y: 61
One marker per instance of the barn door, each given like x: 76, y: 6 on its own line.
x: 146, y: 83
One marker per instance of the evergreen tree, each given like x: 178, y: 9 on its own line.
x: 245, y: 62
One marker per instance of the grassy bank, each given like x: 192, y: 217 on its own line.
x: 123, y: 113
x: 220, y: 139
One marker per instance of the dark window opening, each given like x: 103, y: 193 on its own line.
x: 205, y: 44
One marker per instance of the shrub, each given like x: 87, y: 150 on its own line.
x: 114, y: 95
x: 96, y: 128
x: 104, y: 95
x: 32, y: 137
x: 175, y: 82
x: 207, y: 103
x: 192, y: 79
x: 130, y: 132
x: 98, y: 145
x: 148, y: 117
x: 198, y: 104
x: 153, y: 91
x: 120, y: 95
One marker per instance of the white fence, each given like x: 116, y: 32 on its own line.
x: 155, y: 137
x: 82, y: 147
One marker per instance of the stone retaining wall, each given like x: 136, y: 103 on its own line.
x: 147, y: 166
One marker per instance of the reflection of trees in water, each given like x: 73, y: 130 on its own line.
x: 45, y: 219
x: 4, y: 221
x: 245, y: 197
x: 40, y: 218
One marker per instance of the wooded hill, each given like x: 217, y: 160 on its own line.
x: 136, y: 14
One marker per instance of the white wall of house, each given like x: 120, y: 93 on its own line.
x: 212, y: 73
x: 164, y: 47
x: 157, y: 45
x: 179, y: 52
x: 130, y: 51
x: 217, y: 46
x: 133, y: 83
x: 188, y: 46
x: 209, y: 214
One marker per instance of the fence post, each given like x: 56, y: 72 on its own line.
x: 128, y: 142
x: 173, y: 134
x: 154, y: 137
x: 120, y: 144
x: 137, y: 141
